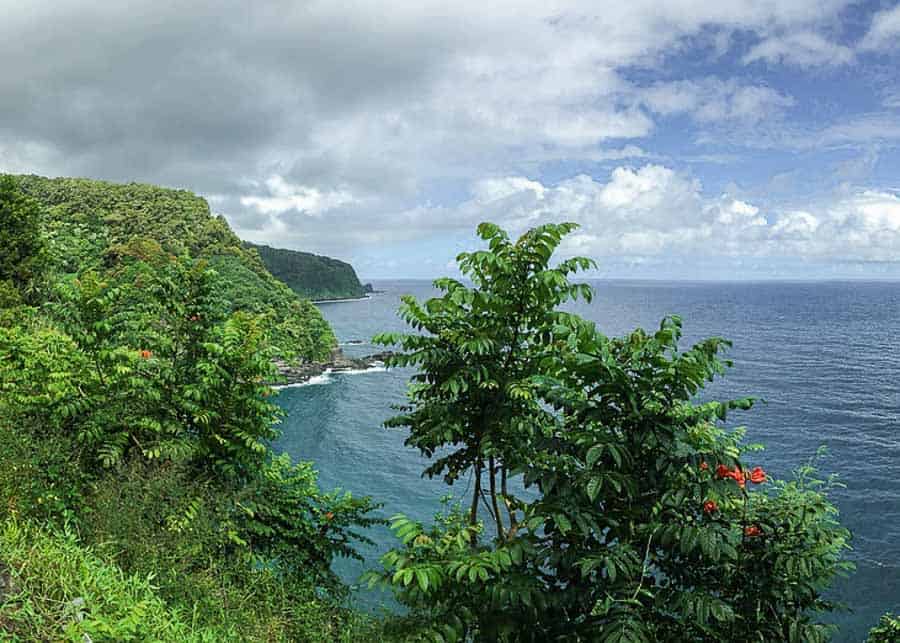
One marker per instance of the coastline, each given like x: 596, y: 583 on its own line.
x: 296, y: 374
x: 339, y: 300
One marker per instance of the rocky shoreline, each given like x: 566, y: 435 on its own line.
x: 291, y: 374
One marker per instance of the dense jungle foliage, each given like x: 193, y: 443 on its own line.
x: 608, y: 499
x: 94, y: 225
x: 309, y: 275
x: 139, y: 497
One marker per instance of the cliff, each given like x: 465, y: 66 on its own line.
x: 309, y: 275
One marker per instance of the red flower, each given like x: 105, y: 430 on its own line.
x: 704, y: 466
x: 710, y: 506
x: 757, y: 476
x: 145, y: 354
x: 735, y: 474
x: 752, y: 530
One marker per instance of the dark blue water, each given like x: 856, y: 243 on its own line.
x: 825, y: 357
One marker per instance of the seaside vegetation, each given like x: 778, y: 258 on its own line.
x: 312, y: 276
x: 95, y: 226
x: 139, y: 496
x: 609, y: 499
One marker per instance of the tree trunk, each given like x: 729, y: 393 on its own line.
x: 473, y: 513
x: 493, y: 483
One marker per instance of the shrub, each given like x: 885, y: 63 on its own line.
x: 192, y: 534
x: 54, y: 590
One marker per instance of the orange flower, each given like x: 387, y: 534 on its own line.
x: 329, y: 516
x: 735, y: 474
x: 756, y: 476
x: 752, y: 531
x: 704, y: 466
x: 145, y: 354
x: 710, y: 506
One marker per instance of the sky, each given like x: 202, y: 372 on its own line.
x: 689, y: 139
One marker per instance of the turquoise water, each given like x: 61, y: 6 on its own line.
x: 825, y: 357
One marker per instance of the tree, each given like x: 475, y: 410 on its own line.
x: 481, y: 347
x: 20, y: 241
x: 639, y: 519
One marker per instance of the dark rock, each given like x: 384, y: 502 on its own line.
x: 301, y: 373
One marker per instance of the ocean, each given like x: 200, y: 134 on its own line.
x: 824, y: 356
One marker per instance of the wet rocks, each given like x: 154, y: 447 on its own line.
x: 339, y: 363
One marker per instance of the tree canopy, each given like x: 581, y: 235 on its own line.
x: 309, y: 275
x: 97, y: 226
x: 21, y: 245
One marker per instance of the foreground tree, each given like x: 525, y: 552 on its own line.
x: 482, y: 348
x: 637, y: 517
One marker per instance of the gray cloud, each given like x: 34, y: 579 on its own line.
x: 333, y: 125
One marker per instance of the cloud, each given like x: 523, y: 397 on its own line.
x: 653, y: 211
x: 342, y: 127
x: 865, y: 128
x: 209, y: 94
x: 712, y: 100
x: 884, y: 32
x: 859, y: 131
x: 286, y: 197
x: 803, y: 48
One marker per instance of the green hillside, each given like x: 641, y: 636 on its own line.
x: 140, y: 495
x: 310, y: 275
x: 95, y: 225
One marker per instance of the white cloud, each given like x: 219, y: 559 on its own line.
x: 876, y: 212
x: 488, y: 190
x: 884, y: 31
x: 352, y: 93
x: 285, y: 197
x: 866, y: 128
x: 712, y: 100
x: 795, y: 224
x: 736, y: 212
x: 803, y: 48
x: 22, y: 157
x: 653, y: 211
x: 860, y: 131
